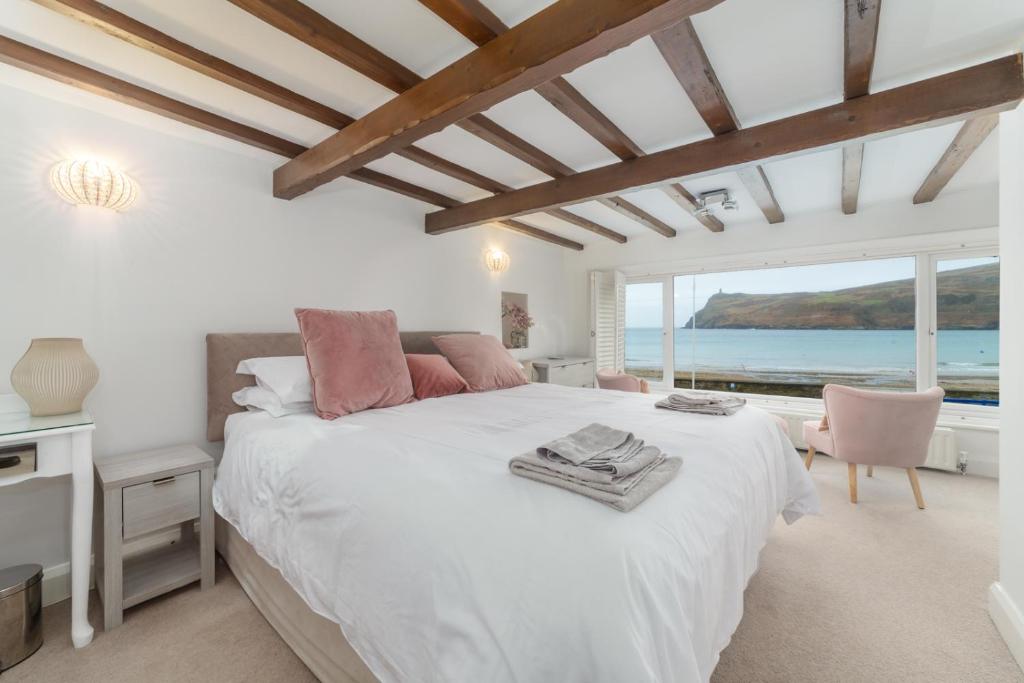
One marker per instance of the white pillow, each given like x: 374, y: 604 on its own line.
x: 259, y: 398
x: 286, y: 376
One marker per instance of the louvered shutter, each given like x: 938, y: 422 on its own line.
x: 608, y: 318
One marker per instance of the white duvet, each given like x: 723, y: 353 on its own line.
x: 405, y: 527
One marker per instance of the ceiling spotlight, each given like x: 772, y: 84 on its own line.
x: 706, y: 201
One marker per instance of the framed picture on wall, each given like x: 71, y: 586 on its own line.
x: 515, y: 320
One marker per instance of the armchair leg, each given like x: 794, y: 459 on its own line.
x: 871, y: 470
x: 853, y: 481
x: 916, y: 485
x: 809, y: 458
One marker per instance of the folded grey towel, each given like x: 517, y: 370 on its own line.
x: 591, y: 441
x: 646, y: 484
x: 601, y: 480
x: 702, y: 405
x: 601, y: 468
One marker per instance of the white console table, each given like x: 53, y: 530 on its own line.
x: 63, y: 445
x: 566, y: 370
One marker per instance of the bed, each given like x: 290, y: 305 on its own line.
x: 394, y: 545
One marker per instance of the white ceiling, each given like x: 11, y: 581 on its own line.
x: 774, y: 59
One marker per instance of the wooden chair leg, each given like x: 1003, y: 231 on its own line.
x: 916, y: 485
x: 809, y: 458
x: 871, y: 470
x: 853, y: 481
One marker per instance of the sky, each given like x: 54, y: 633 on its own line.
x: 644, y: 300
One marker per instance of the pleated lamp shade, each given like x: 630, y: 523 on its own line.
x: 54, y: 376
x: 93, y: 183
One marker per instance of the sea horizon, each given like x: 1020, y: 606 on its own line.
x: 969, y: 353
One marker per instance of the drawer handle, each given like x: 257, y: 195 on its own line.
x: 164, y: 480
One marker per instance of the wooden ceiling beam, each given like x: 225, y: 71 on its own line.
x: 557, y: 39
x: 979, y: 90
x: 537, y: 233
x: 682, y: 50
x: 860, y: 35
x: 100, y: 16
x: 681, y: 196
x: 634, y: 212
x: 586, y: 224
x: 471, y: 18
x: 96, y: 82
x: 136, y: 33
x: 119, y: 25
x: 853, y: 161
x: 315, y: 30
x: 968, y: 138
x: 320, y: 33
x: 565, y: 98
x: 477, y: 23
x: 760, y: 189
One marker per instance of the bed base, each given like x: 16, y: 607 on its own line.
x: 316, y: 640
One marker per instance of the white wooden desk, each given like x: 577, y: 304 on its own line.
x: 63, y: 446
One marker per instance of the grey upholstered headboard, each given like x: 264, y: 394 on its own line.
x: 225, y: 351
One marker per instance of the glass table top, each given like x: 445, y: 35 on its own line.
x: 15, y: 419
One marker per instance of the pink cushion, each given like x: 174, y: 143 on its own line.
x: 619, y: 381
x: 433, y: 376
x: 817, y: 439
x: 355, y: 360
x: 481, y: 360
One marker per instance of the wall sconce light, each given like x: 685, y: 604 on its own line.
x: 496, y: 260
x: 93, y: 183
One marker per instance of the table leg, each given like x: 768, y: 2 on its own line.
x: 81, y: 536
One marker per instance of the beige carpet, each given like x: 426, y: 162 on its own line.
x: 879, y: 591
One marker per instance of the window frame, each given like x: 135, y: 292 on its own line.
x: 927, y: 250
x: 667, y: 325
x: 931, y: 352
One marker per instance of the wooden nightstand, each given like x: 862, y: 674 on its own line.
x: 143, y: 493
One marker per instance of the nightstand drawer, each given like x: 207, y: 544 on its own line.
x: 160, y: 503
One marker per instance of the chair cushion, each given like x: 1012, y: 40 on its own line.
x: 821, y: 441
x: 618, y: 381
x: 355, y: 360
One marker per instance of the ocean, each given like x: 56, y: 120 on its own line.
x: 970, y: 354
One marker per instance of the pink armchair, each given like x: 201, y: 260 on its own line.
x: 620, y: 381
x: 875, y: 428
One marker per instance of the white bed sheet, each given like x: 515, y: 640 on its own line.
x: 405, y: 527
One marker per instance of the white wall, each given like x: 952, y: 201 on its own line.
x: 207, y: 248
x: 1007, y: 596
x: 953, y: 218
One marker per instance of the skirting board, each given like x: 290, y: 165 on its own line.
x: 1008, y: 620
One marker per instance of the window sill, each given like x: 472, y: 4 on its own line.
x: 953, y: 415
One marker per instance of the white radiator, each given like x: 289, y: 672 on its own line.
x: 942, y: 453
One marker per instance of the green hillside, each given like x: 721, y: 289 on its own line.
x: 968, y: 300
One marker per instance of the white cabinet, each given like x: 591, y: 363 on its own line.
x: 570, y: 372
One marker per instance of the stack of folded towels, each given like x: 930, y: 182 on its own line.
x: 686, y: 402
x: 609, y: 465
